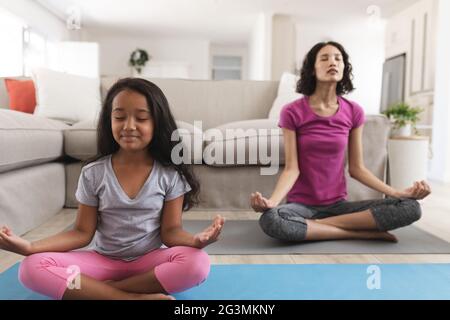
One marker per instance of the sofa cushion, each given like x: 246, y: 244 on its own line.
x: 31, y: 196
x: 27, y: 139
x: 66, y: 97
x: 80, y: 140
x: 248, y: 142
x: 287, y: 92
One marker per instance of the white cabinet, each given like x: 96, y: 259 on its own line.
x: 413, y: 31
x: 422, y: 49
x: 408, y: 160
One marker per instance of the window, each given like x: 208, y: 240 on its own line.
x: 11, y: 38
x: 35, y: 51
x: 227, y: 68
x: 24, y: 48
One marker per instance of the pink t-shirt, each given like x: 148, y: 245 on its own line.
x: 321, y: 147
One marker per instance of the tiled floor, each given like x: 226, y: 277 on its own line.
x: 435, y: 220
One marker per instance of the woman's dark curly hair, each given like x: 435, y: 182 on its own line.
x: 161, y: 144
x: 307, y: 83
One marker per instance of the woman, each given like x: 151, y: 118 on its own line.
x: 317, y: 129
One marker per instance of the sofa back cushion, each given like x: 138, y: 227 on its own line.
x: 213, y: 102
x: 286, y: 94
x: 66, y: 97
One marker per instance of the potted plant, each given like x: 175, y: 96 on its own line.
x: 138, y: 59
x: 404, y: 117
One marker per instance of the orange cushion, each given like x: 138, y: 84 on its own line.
x: 22, y: 95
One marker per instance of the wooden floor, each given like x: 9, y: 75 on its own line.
x: 435, y: 220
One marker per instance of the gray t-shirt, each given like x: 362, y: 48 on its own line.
x: 127, y: 228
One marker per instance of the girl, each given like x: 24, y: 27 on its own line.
x: 131, y: 196
x: 317, y: 129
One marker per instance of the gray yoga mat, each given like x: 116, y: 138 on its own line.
x: 244, y: 237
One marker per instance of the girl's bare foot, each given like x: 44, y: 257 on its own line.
x: 157, y: 296
x: 153, y: 296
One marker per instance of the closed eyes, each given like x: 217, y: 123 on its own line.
x: 325, y: 57
x: 139, y: 119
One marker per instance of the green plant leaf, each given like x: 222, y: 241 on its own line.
x: 402, y: 113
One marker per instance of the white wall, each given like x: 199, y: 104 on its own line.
x: 283, y: 45
x: 364, y: 44
x: 440, y: 164
x: 38, y: 18
x: 115, y: 52
x: 260, y: 48
x: 74, y: 57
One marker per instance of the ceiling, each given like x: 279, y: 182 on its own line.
x: 221, y: 21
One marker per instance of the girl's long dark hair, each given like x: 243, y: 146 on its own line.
x: 164, y: 124
x: 307, y: 83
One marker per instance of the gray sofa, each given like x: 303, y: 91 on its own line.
x: 40, y: 159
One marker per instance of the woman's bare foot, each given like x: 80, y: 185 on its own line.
x: 388, y: 237
x: 375, y: 235
x: 378, y: 235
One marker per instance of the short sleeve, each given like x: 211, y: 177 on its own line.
x: 177, y: 187
x: 287, y: 118
x: 358, y: 116
x: 85, y: 193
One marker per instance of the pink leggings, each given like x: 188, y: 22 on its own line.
x: 176, y: 268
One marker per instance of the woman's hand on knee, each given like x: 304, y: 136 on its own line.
x: 419, y: 190
x: 10, y: 242
x: 259, y: 203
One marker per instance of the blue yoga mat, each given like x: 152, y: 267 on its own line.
x: 324, y: 281
x: 12, y: 289
x: 298, y: 282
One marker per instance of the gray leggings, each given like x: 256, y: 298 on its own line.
x: 287, y: 221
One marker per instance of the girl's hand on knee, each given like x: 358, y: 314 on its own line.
x: 10, y: 242
x: 259, y: 203
x: 210, y: 234
x: 419, y: 190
